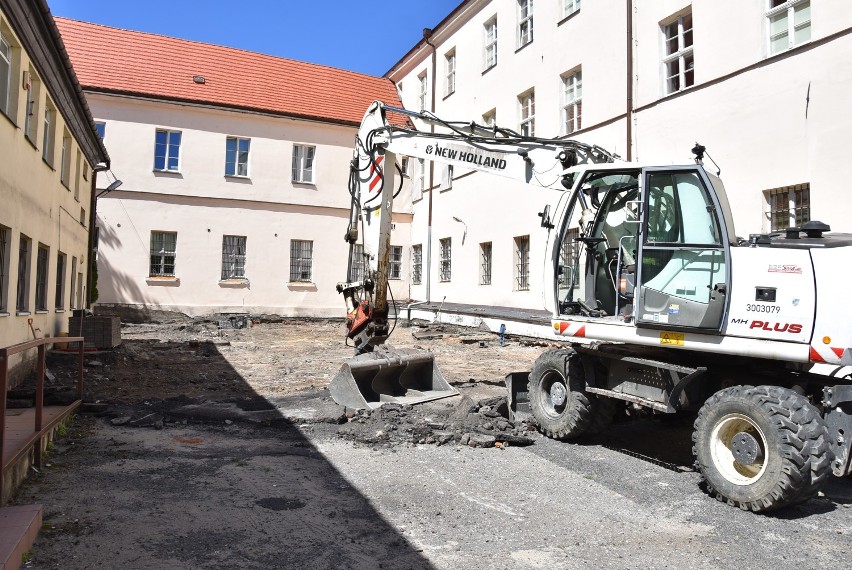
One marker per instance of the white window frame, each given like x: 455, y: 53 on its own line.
x: 680, y: 57
x: 450, y: 73
x: 301, y: 261
x: 423, y: 87
x: 65, y: 160
x: 525, y: 23
x: 526, y: 110
x: 522, y: 263
x: 49, y: 135
x: 486, y: 262
x: 446, y: 177
x: 418, y: 180
x: 403, y: 165
x: 395, y: 262
x: 161, y: 253
x: 788, y: 9
x: 570, y: 7
x: 572, y: 102
x: 446, y: 261
x: 304, y: 162
x: 5, y: 78
x: 798, y: 206
x: 489, y: 44
x: 417, y: 264
x: 31, y: 110
x: 233, y: 257
x: 168, y: 149
x: 238, y: 173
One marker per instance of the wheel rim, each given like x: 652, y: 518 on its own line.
x: 723, y: 454
x: 554, y: 394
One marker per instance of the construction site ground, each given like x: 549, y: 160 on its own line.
x: 211, y: 447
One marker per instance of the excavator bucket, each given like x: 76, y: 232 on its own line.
x: 403, y: 376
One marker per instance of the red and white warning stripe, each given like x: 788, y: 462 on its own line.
x: 567, y: 328
x: 376, y: 173
x: 830, y: 354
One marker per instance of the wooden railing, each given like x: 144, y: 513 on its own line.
x: 5, y: 353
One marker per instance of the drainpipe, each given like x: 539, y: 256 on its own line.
x: 427, y: 33
x: 93, y: 214
x: 629, y: 114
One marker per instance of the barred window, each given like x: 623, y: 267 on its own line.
x: 60, y: 281
x: 446, y: 259
x: 301, y: 260
x: 416, y: 264
x: 163, y: 247
x: 485, y: 263
x: 22, y: 303
x: 4, y: 268
x: 395, y: 266
x: 41, y: 277
x: 233, y: 257
x: 522, y: 263
x: 357, y: 263
x: 789, y: 207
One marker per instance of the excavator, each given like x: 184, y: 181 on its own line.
x: 663, y: 309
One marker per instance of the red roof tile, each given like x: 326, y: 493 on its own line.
x: 124, y: 61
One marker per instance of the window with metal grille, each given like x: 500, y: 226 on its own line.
x: 395, y: 265
x: 490, y: 43
x: 60, y: 281
x: 303, y: 163
x: 525, y: 22
x: 527, y: 108
x: 163, y: 249
x: 233, y: 257
x: 789, y: 24
x: 522, y: 263
x: 167, y: 150
x: 789, y: 207
x: 236, y: 156
x: 485, y: 263
x: 301, y: 260
x: 450, y: 73
x: 4, y: 268
x: 572, y: 102
x: 569, y: 7
x: 42, y: 257
x: 446, y: 259
x: 22, y: 301
x: 678, y: 62
x: 357, y: 263
x: 416, y: 264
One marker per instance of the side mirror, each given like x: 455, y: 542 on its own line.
x: 545, y: 218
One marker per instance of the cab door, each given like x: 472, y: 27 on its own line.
x: 684, y: 263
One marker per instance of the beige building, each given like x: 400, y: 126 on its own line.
x: 235, y: 174
x: 50, y: 156
x: 764, y: 85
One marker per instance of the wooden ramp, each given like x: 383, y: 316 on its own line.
x: 19, y: 527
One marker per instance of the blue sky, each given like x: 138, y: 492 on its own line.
x: 365, y: 36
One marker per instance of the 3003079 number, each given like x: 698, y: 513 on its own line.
x: 754, y: 308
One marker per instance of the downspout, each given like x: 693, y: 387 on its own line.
x: 93, y: 214
x: 629, y: 114
x: 427, y: 33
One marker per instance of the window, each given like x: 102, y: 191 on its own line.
x: 569, y: 7
x: 71, y: 302
x: 79, y: 289
x: 5, y: 235
x: 789, y: 207
x: 485, y: 263
x: 236, y: 156
x: 450, y: 75
x: 522, y: 263
x: 82, y: 216
x: 60, y: 281
x: 303, y: 163
x: 572, y: 103
x: 489, y: 119
x: 233, y: 257
x: 490, y: 43
x: 525, y: 22
x: 42, y: 258
x: 163, y: 247
x: 167, y: 150
x: 31, y: 112
x: 395, y: 266
x: 357, y: 263
x: 527, y: 106
x: 789, y: 24
x: 65, y: 161
x: 446, y: 259
x: 77, y: 175
x: 416, y: 264
x: 5, y: 75
x: 678, y: 62
x: 100, y: 127
x: 418, y: 181
x: 446, y: 177
x: 85, y: 171
x: 403, y: 161
x: 22, y: 304
x: 301, y: 260
x: 49, y: 135
x: 423, y: 94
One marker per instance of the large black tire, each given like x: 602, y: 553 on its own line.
x: 558, y: 400
x: 793, y: 456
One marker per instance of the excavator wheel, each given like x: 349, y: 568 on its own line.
x: 558, y: 400
x: 761, y: 448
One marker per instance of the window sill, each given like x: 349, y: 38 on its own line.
x: 303, y: 183
x: 64, y: 183
x: 523, y: 46
x: 448, y: 95
x: 175, y: 173
x: 59, y: 311
x: 4, y: 314
x: 487, y: 69
x: 302, y: 285
x: 568, y: 17
x: 29, y: 140
x: 42, y: 312
x: 47, y: 162
x: 236, y: 177
x: 163, y: 280
x: 234, y: 283
x: 22, y: 313
x: 14, y: 124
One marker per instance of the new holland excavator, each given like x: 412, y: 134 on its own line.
x: 663, y: 310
